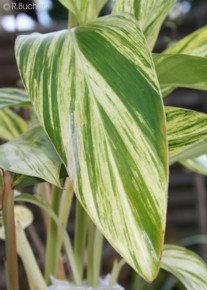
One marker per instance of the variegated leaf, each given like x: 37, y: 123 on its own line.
x: 84, y: 10
x: 198, y: 164
x: 150, y: 14
x: 10, y: 97
x: 31, y: 154
x: 97, y: 95
x: 11, y: 125
x: 180, y: 70
x: 193, y: 44
x: 188, y: 267
x: 187, y: 133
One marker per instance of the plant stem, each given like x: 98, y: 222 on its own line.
x: 80, y: 237
x: 34, y: 275
x: 10, y: 233
x: 71, y: 257
x: 51, y: 260
x: 64, y: 211
x: 115, y: 272
x: 91, y: 235
x: 72, y: 20
x: 98, y: 248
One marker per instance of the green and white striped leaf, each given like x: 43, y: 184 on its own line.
x: 11, y: 125
x: 98, y: 98
x: 187, y: 133
x: 32, y: 154
x: 198, y: 164
x: 149, y: 13
x: 180, y: 70
x: 10, y: 97
x: 184, y: 264
x: 193, y: 44
x: 84, y: 10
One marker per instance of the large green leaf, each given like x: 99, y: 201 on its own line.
x: 180, y: 70
x: 11, y: 125
x: 84, y: 10
x: 188, y: 267
x: 31, y: 154
x: 187, y: 133
x: 149, y: 13
x: 193, y: 44
x: 10, y: 97
x: 97, y: 95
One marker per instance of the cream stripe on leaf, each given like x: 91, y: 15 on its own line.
x: 149, y: 13
x: 10, y: 97
x: 96, y: 94
x: 32, y: 154
x: 180, y: 70
x: 187, y: 133
x: 11, y: 125
x: 187, y: 266
x: 193, y: 44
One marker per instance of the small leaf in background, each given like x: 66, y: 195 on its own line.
x: 187, y: 133
x: 99, y: 100
x: 193, y: 44
x: 188, y: 267
x: 198, y: 164
x: 180, y: 70
x: 10, y: 97
x: 11, y: 125
x: 32, y: 154
x: 149, y: 13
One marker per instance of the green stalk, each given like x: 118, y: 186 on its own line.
x: 71, y: 258
x: 115, y: 272
x: 72, y: 20
x: 51, y: 260
x: 80, y: 237
x: 35, y: 278
x: 91, y: 235
x: 10, y: 233
x: 98, y: 248
x: 64, y: 211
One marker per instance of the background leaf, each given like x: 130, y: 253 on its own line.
x: 187, y: 133
x: 179, y: 70
x: 188, y: 267
x: 198, y: 164
x: 11, y: 125
x: 10, y: 97
x: 32, y: 154
x: 193, y: 44
x: 104, y: 114
x: 150, y: 15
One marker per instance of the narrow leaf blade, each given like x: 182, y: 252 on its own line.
x: 101, y: 108
x: 188, y: 267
